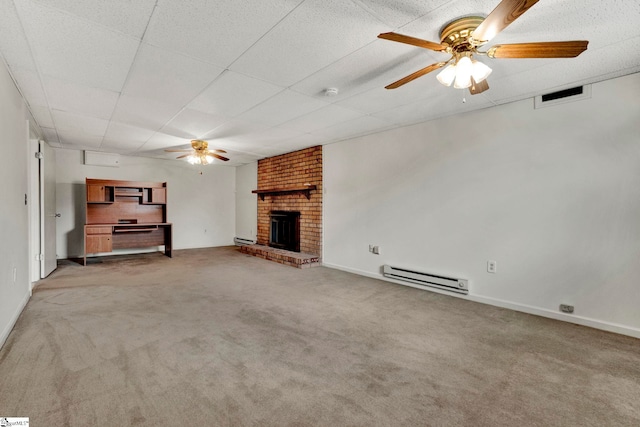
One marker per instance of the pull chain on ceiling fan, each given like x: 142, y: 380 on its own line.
x: 462, y: 37
x: 200, y: 154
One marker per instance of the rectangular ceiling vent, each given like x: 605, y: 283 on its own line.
x: 96, y: 158
x: 563, y: 96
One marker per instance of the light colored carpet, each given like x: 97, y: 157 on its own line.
x: 213, y: 337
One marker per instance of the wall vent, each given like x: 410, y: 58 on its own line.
x: 452, y: 284
x: 240, y: 241
x: 577, y: 93
x: 96, y: 158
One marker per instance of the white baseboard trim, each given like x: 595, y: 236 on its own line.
x: 12, y: 322
x: 579, y: 320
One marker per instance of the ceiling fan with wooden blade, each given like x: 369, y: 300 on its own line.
x: 199, y: 154
x: 462, y: 37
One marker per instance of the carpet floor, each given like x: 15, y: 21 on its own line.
x: 212, y: 337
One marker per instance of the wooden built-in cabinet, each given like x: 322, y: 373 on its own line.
x: 126, y: 214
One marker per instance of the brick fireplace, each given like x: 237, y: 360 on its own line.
x: 291, y: 185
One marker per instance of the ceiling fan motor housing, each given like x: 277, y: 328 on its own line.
x: 458, y: 34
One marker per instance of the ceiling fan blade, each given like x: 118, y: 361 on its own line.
x: 217, y: 150
x: 415, y: 75
x: 477, y: 88
x: 183, y: 156
x: 177, y: 151
x: 412, y: 41
x: 568, y: 49
x: 500, y: 18
x: 217, y: 156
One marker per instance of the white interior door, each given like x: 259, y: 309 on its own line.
x: 48, y: 213
x: 34, y: 211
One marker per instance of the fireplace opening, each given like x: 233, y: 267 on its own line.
x: 285, y: 230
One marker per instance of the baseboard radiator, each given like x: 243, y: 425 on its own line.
x: 460, y: 286
x: 239, y: 241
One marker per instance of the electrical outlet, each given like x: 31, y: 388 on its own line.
x: 371, y: 248
x: 15, y: 274
x: 492, y: 266
x: 566, y: 308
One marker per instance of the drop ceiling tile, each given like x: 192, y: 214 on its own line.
x: 282, y: 107
x: 127, y: 134
x: 162, y: 141
x: 30, y: 86
x: 396, y: 14
x: 243, y: 159
x: 375, y: 65
x: 79, y: 99
x: 50, y: 135
x: 381, y: 99
x: 270, y: 136
x: 144, y: 113
x: 42, y: 115
x: 67, y: 123
x: 193, y: 124
x: 428, y: 26
x: 300, y: 142
x: 13, y: 43
x: 561, y: 20
x: 360, y: 126
x: 448, y: 101
x: 72, y: 49
x: 267, y: 151
x: 314, y: 35
x: 235, y: 128
x: 120, y: 146
x: 172, y: 78
x: 232, y: 94
x: 78, y: 140
x: 322, y: 118
x: 126, y: 16
x: 214, y: 31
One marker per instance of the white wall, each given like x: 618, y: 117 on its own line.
x: 246, y: 201
x: 14, y: 226
x: 552, y: 195
x: 200, y: 199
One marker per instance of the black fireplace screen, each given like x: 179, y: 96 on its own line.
x: 285, y: 230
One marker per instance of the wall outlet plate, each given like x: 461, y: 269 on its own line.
x: 492, y: 266
x: 566, y: 308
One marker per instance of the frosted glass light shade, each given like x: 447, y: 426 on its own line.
x: 463, y: 73
x: 447, y: 75
x: 480, y: 71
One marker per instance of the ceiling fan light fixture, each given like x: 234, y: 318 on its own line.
x: 480, y: 71
x: 447, y: 75
x: 463, y: 73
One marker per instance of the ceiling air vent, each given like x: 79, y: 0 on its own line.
x: 563, y: 96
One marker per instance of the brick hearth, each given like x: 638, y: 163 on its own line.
x: 294, y: 259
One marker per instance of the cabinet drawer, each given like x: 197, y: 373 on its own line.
x: 99, y: 243
x: 98, y: 230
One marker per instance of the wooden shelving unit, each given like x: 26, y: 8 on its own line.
x: 126, y: 214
